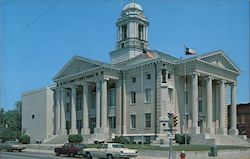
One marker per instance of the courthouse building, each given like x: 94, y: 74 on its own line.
x: 132, y: 95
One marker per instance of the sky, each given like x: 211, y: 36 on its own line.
x: 38, y: 37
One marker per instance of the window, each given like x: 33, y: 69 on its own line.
x: 68, y: 94
x: 243, y: 119
x: 169, y: 75
x: 112, y: 97
x: 78, y: 103
x: 133, y: 98
x: 147, y: 95
x: 133, y: 79
x: 186, y: 96
x: 68, y: 124
x: 140, y: 32
x: 148, y: 76
x: 93, y: 100
x: 170, y: 94
x: 132, y: 121
x: 67, y: 107
x: 163, y: 74
x: 79, y: 124
x: 200, y: 106
x: 124, y: 32
x: 147, y: 120
x: 112, y: 122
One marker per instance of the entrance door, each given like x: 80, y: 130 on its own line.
x: 201, y: 125
x: 92, y: 124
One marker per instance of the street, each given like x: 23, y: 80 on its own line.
x: 28, y: 155
x: 50, y: 155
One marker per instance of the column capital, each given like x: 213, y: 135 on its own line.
x: 85, y: 83
x: 222, y: 81
x: 234, y: 84
x: 105, y: 79
x: 209, y: 77
x: 194, y: 74
x: 73, y: 86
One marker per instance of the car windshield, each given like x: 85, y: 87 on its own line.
x: 81, y: 146
x: 13, y: 142
x: 118, y: 146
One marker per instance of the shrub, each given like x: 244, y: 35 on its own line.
x: 75, y: 138
x: 121, y: 140
x: 180, y: 138
x: 24, y: 139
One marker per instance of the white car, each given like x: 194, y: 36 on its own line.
x: 110, y: 151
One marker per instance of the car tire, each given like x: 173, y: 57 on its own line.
x: 109, y: 156
x: 88, y: 155
x: 20, y: 150
x: 72, y: 154
x: 57, y: 154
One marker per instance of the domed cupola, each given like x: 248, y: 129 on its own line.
x: 132, y: 33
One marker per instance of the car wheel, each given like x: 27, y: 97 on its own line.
x: 71, y: 154
x: 20, y: 150
x: 57, y: 154
x: 110, y: 156
x: 88, y: 155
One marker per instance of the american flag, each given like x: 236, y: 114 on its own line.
x: 147, y: 54
x: 190, y: 51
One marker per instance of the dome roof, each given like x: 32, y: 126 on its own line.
x: 132, y: 5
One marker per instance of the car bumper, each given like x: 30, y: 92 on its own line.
x: 127, y: 155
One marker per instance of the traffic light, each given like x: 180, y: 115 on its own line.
x: 175, y: 120
x: 171, y: 121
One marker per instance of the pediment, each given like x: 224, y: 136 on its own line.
x: 220, y: 59
x: 75, y: 65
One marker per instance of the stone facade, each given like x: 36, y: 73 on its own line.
x: 133, y: 95
x: 37, y: 114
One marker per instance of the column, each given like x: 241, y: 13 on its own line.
x: 124, y: 106
x: 118, y: 110
x: 57, y: 114
x: 98, y: 104
x: 85, y: 118
x: 195, y: 129
x: 209, y: 128
x: 62, y: 108
x: 144, y: 32
x: 221, y: 129
x: 104, y: 108
x: 233, y: 130
x: 73, y: 129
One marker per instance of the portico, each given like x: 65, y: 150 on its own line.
x: 208, y: 96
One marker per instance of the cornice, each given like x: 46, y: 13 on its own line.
x: 90, y: 71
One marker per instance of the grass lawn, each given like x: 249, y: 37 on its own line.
x: 183, y: 147
x: 177, y: 148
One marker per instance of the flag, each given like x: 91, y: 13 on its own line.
x: 190, y: 51
x: 147, y: 54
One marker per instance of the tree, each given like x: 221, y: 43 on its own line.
x: 10, y: 122
x: 1, y: 116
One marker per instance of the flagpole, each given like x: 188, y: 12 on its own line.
x: 185, y: 103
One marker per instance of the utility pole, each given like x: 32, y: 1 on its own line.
x: 170, y: 125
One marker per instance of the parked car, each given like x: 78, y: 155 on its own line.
x: 70, y: 149
x: 12, y: 145
x: 110, y: 151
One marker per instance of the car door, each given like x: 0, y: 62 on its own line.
x: 65, y: 149
x: 103, y: 150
